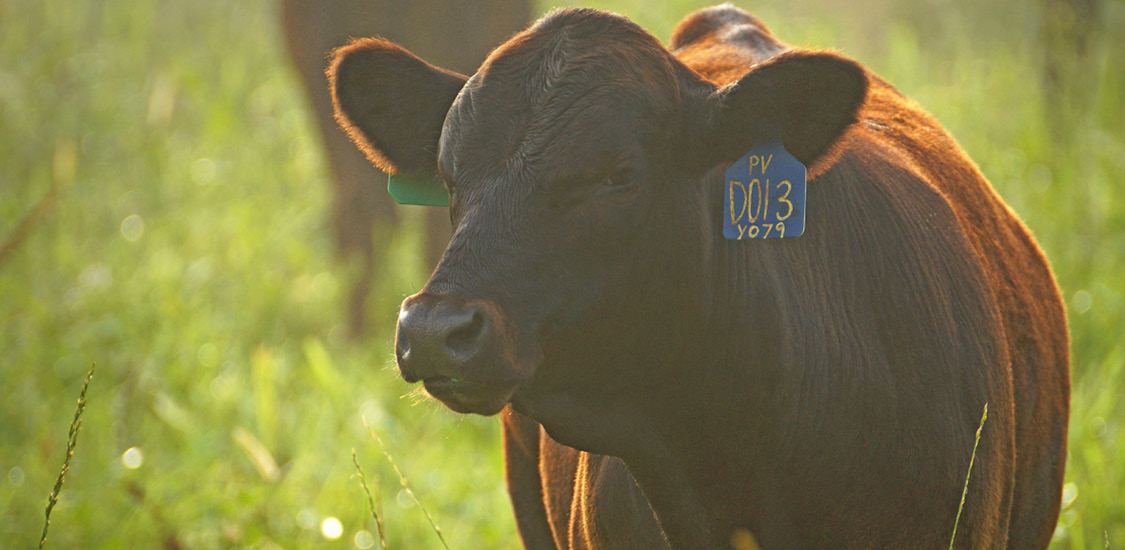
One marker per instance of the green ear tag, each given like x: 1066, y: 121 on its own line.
x: 421, y: 191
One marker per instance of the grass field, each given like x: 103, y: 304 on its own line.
x: 185, y: 248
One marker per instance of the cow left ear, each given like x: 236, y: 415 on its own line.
x: 391, y: 103
x: 805, y: 100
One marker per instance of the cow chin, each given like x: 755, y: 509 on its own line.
x: 469, y: 397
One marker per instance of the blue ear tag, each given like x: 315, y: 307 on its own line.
x: 764, y: 196
x: 422, y: 191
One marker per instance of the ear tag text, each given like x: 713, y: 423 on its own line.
x: 422, y: 191
x: 764, y: 195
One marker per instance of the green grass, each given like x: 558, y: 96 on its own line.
x: 375, y: 509
x: 186, y: 250
x: 968, y: 475
x: 71, y: 444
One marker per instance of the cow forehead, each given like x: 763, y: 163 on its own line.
x: 482, y: 137
x: 557, y: 93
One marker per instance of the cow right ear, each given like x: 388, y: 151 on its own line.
x: 391, y: 103
x: 806, y: 100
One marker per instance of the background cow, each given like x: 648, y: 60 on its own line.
x: 817, y: 392
x: 455, y: 33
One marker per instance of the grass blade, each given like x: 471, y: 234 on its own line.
x: 965, y: 490
x: 71, y: 443
x: 405, y: 484
x: 370, y: 501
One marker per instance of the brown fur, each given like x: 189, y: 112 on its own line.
x: 670, y: 388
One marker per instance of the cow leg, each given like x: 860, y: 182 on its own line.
x: 619, y: 430
x: 360, y: 202
x: 521, y: 457
x: 609, y: 510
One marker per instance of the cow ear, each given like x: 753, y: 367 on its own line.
x: 391, y: 103
x: 805, y: 100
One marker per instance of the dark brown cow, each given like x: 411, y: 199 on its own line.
x: 663, y: 386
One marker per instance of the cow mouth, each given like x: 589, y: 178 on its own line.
x: 469, y: 397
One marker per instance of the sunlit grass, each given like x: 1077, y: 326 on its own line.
x: 375, y: 510
x: 968, y: 475
x: 405, y: 485
x: 71, y: 444
x: 185, y: 246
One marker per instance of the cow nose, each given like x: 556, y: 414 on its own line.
x: 437, y: 338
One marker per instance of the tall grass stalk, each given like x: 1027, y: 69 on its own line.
x: 965, y: 490
x: 370, y: 501
x: 405, y: 484
x: 71, y: 443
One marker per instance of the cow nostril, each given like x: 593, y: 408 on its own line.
x: 465, y: 339
x: 402, y: 345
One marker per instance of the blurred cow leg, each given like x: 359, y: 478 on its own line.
x: 457, y: 34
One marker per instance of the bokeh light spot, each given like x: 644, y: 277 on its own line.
x: 1069, y: 493
x: 16, y: 476
x: 203, y: 171
x: 331, y: 528
x: 403, y: 499
x: 363, y: 539
x: 133, y: 458
x: 133, y: 228
x: 208, y: 355
x: 306, y: 519
x: 1097, y: 426
x: 1082, y: 301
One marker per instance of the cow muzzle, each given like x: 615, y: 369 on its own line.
x: 459, y: 349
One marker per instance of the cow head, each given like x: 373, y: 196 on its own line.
x: 581, y: 162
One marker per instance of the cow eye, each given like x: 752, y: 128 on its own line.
x: 616, y: 180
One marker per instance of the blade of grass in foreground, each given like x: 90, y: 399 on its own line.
x: 370, y: 501
x: 71, y: 442
x: 965, y: 490
x: 405, y: 484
